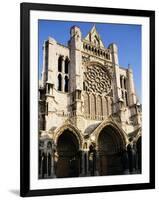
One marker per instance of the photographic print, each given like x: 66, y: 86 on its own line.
x: 90, y: 107
x: 87, y: 99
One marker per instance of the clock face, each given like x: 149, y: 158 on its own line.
x: 97, y: 80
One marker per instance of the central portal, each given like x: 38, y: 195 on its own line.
x: 68, y: 155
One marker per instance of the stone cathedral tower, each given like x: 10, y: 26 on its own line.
x: 89, y: 116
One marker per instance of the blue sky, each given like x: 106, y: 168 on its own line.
x: 127, y: 37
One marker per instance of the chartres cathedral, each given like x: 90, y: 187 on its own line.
x: 89, y: 114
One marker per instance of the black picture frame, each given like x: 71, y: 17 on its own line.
x: 25, y: 9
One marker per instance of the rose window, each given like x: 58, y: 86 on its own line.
x: 96, y: 80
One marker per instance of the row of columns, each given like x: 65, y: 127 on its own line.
x: 88, y: 162
x: 46, y: 165
x: 87, y: 165
x: 131, y: 160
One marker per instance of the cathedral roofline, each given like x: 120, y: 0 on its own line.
x: 62, y: 45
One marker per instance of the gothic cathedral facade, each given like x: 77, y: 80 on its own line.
x: 89, y: 114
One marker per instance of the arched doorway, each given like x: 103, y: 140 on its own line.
x: 110, y: 146
x: 68, y: 163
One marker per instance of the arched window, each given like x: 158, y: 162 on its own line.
x: 107, y: 56
x: 105, y: 106
x: 99, y: 105
x: 93, y: 106
x: 60, y: 64
x: 125, y: 83
x: 66, y: 65
x: 66, y: 83
x: 59, y: 82
x: 86, y: 104
x: 121, y: 85
x: 126, y: 98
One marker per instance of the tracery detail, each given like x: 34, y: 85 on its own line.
x: 96, y: 80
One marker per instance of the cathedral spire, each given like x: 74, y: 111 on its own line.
x: 94, y: 37
x: 94, y: 28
